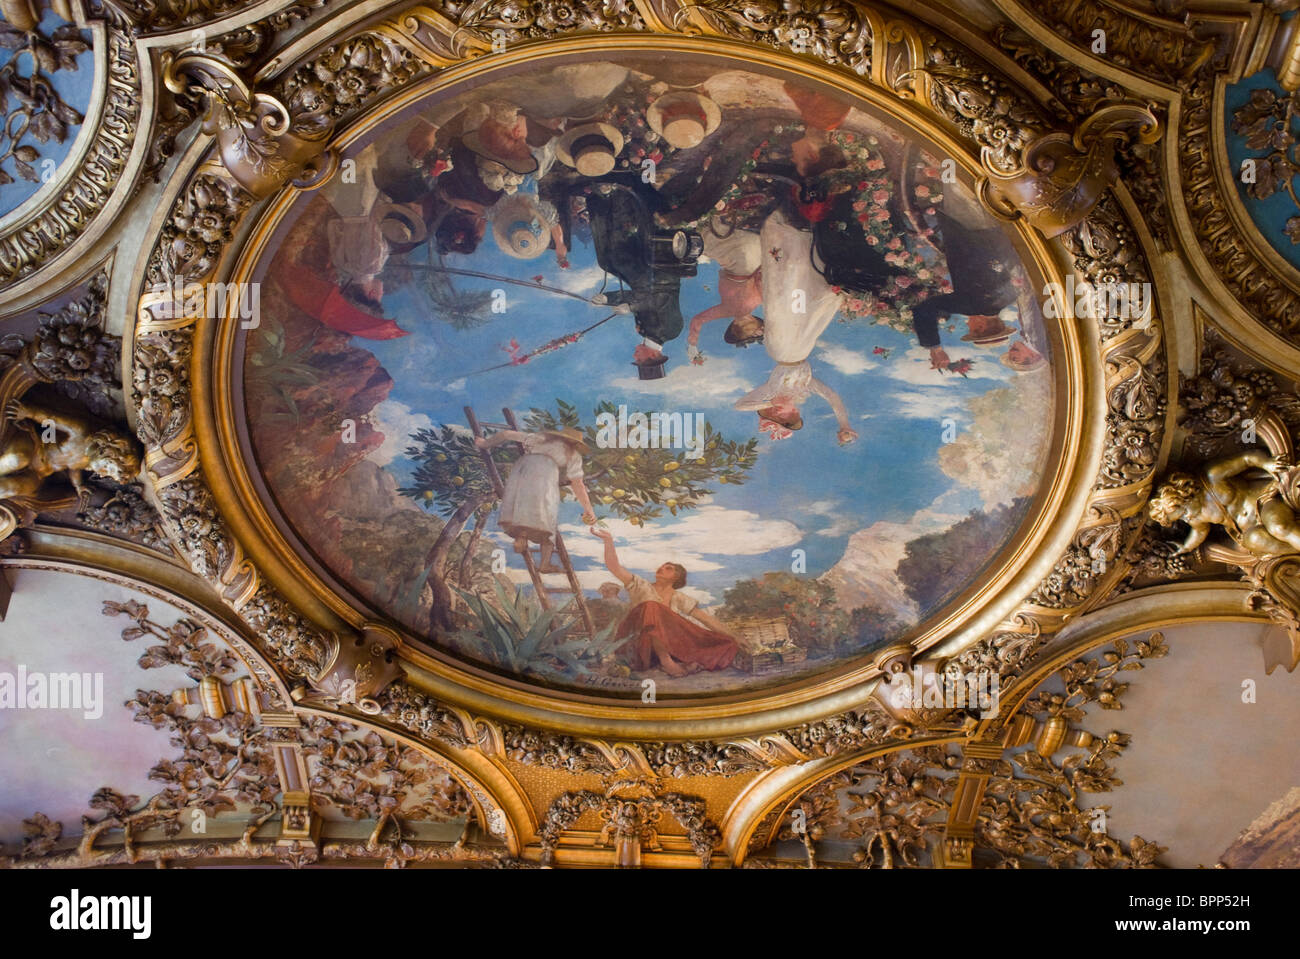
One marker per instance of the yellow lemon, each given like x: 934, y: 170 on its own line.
x: 607, y: 499
x: 428, y: 494
x: 672, y: 503
x: 620, y: 493
x: 671, y: 465
x: 665, y: 482
x: 458, y: 481
x: 441, y: 457
x: 630, y: 460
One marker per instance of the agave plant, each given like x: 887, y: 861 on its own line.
x: 515, y: 632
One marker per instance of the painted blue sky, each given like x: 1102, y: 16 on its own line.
x: 75, y: 88
x: 806, y: 492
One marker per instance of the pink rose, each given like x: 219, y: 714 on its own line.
x: 922, y: 190
x: 880, y: 196
x: 873, y: 240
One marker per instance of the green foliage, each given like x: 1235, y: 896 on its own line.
x: 517, y: 634
x: 807, y: 605
x: 935, y: 566
x: 273, y: 370
x: 870, y: 627
x: 636, y: 484
x: 451, y: 468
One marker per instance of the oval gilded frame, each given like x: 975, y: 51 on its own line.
x: 1070, y: 476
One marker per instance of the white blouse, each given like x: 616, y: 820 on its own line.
x: 642, y: 591
x: 565, y: 455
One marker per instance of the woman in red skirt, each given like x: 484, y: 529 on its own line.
x: 659, y: 624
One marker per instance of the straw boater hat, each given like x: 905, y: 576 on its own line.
x: 1022, y: 357
x: 987, y: 330
x: 590, y: 148
x: 571, y: 436
x: 493, y: 140
x: 519, y: 227
x: 683, y: 119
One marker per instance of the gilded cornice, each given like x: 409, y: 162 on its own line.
x: 1186, y: 62
x: 996, y: 124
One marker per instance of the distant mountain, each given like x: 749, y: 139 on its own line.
x: 866, y: 575
x: 1272, y: 841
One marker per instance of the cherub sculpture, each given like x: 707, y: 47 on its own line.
x: 37, y: 442
x: 1255, y: 511
x: 1258, y: 512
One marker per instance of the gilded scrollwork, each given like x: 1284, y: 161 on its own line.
x: 630, y: 812
x: 227, y: 765
x: 893, y: 808
x: 350, y: 75
x: 68, y: 213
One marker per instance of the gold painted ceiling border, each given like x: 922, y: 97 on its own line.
x: 766, y: 803
x: 236, y: 493
x: 91, y: 176
x: 1188, y: 63
x: 213, y: 204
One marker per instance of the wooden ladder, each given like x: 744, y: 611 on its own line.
x: 543, y: 591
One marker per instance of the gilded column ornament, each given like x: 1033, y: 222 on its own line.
x: 240, y: 756
x: 630, y: 812
x: 971, y: 806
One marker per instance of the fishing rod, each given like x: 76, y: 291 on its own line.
x: 532, y: 285
x: 549, y: 347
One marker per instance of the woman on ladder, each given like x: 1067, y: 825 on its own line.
x: 531, y: 504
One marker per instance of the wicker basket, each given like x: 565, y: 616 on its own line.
x: 765, y: 644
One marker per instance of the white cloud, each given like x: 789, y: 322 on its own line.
x: 716, y: 377
x: 999, y: 454
x: 832, y: 510
x: 701, y: 596
x: 586, y: 280
x: 926, y: 403
x: 591, y: 580
x: 588, y: 579
x: 847, y: 361
x: 397, y: 422
x: 455, y: 386
x: 914, y: 365
x: 838, y: 528
x: 711, y: 531
x: 867, y: 573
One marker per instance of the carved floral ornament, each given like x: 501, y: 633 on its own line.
x: 1194, y: 54
x: 274, y: 134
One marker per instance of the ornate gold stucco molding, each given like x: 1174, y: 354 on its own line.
x: 970, y: 106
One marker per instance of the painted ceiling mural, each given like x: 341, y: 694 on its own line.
x: 649, y: 434
x: 701, y: 316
